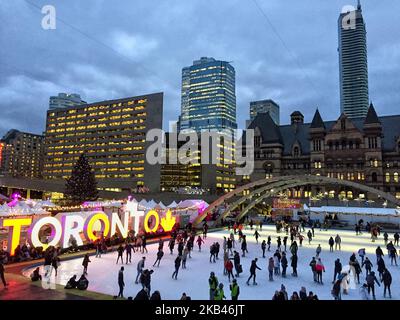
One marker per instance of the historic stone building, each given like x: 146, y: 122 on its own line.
x: 364, y: 150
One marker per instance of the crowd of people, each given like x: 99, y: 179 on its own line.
x: 280, y: 252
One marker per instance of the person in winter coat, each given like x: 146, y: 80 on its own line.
x: 284, y: 292
x: 277, y: 269
x: 180, y: 248
x: 139, y: 269
x: 121, y: 282
x: 142, y: 295
x: 160, y: 254
x: 85, y: 263
x: 156, y: 296
x: 294, y: 248
x: 379, y: 254
x: 309, y: 236
x: 387, y: 281
x: 357, y: 269
x: 385, y: 238
x: 313, y: 264
x: 199, y: 242
x: 184, y: 257
x: 361, y: 254
x: 371, y: 279
x: 318, y: 250
x: 171, y: 245
x: 235, y: 290
x: 271, y: 266
x: 83, y: 283
x: 217, y: 250
x: 381, y: 267
x: 336, y: 290
x: 253, y: 269
x: 36, y: 276
x: 219, y: 294
x: 229, y: 268
x: 294, y: 265
x: 368, y: 265
x: 128, y: 249
x: 284, y: 263
x: 338, y: 242
x: 393, y: 256
x: 213, y: 253
x: 256, y: 235
x: 337, y: 270
x: 120, y: 251
x: 303, y: 293
x: 236, y: 263
x: 229, y: 246
x: 72, y: 283
x: 178, y: 261
x: 396, y: 237
x: 244, y: 246
x: 269, y: 243
x: 263, y: 247
x: 213, y: 285
x: 319, y: 267
x: 279, y: 243
x: 55, y: 262
x: 364, y: 292
x: 331, y: 243
x: 285, y: 242
x: 295, y: 296
x: 345, y: 282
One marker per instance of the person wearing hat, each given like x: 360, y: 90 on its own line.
x: 235, y: 290
x: 219, y: 294
x: 213, y: 283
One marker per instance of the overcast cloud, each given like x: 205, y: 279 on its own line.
x: 115, y: 49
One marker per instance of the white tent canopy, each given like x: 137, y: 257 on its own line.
x: 354, y: 210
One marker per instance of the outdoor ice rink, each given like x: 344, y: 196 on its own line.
x: 103, y: 272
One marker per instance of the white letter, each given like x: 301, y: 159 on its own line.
x: 156, y: 147
x: 116, y: 221
x: 35, y: 228
x: 49, y: 20
x: 72, y: 225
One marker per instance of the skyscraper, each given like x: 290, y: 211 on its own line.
x: 208, y: 96
x: 65, y: 100
x: 353, y: 64
x: 265, y: 106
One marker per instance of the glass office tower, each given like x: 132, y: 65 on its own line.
x: 208, y: 96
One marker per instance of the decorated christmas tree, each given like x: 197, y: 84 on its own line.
x: 82, y: 185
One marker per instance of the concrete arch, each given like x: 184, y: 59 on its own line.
x: 262, y: 189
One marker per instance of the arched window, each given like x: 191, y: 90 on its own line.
x: 396, y: 177
x: 343, y: 144
x: 296, y: 152
x: 374, y: 177
x: 349, y: 194
x: 387, y: 177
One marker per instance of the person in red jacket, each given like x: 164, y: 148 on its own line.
x: 319, y: 267
x: 229, y: 268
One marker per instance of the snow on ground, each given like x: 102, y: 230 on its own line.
x: 103, y: 272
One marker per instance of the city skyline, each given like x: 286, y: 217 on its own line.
x: 265, y: 68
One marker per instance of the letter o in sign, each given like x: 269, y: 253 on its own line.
x: 105, y: 224
x: 151, y: 213
x: 56, y: 232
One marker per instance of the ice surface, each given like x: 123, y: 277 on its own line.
x: 103, y: 272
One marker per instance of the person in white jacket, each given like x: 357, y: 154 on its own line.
x: 364, y: 292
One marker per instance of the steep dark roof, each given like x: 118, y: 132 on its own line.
x: 317, y: 121
x: 289, y: 134
x: 371, y: 117
x: 269, y: 129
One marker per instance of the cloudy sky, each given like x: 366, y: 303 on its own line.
x: 114, y: 49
